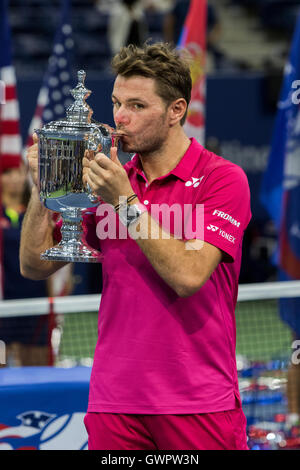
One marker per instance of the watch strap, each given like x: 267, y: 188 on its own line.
x: 131, y: 213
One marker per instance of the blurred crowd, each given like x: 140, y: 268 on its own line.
x: 100, y: 27
x: 275, y: 15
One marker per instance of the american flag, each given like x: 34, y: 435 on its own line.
x: 193, y: 38
x: 54, y: 95
x: 10, y: 138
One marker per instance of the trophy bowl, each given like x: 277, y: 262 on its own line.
x: 61, y: 148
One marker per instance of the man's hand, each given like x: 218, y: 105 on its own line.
x: 106, y: 176
x: 33, y: 159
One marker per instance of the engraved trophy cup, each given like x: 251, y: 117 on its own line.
x: 62, y: 145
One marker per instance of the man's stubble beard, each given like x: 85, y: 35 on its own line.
x: 150, y: 144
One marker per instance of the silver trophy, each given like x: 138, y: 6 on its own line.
x: 62, y: 145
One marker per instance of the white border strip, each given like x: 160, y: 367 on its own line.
x: 40, y: 306
x: 269, y: 290
x: 90, y: 303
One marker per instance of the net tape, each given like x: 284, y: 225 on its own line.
x: 89, y: 303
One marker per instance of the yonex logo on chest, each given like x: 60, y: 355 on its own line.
x: 194, y: 182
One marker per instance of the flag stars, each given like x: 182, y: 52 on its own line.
x: 66, y: 90
x: 68, y: 102
x: 62, y: 62
x: 69, y: 43
x: 57, y: 82
x: 47, y: 115
x: 52, y: 61
x: 53, y: 81
x: 66, y: 29
x: 56, y: 95
x: 64, y: 76
x: 59, y: 109
x: 58, y: 48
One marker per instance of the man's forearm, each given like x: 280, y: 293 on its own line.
x: 184, y: 270
x: 36, y: 237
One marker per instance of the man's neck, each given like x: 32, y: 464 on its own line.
x: 167, y: 157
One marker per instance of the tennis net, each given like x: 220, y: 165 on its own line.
x: 267, y: 351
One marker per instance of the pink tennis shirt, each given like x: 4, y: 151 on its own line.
x: 158, y: 353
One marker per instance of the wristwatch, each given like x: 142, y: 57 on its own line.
x: 130, y: 213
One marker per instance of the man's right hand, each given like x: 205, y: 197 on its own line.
x: 32, y: 156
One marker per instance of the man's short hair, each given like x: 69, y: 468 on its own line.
x: 159, y: 61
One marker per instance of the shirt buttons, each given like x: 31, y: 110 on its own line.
x: 146, y: 202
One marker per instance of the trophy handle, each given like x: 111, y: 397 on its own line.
x: 100, y: 139
x: 91, y: 196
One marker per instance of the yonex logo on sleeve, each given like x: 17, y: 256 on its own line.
x: 194, y: 182
x: 213, y: 228
x: 223, y: 234
x: 227, y: 236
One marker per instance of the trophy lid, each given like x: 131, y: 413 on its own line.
x: 80, y: 112
x: 78, y: 115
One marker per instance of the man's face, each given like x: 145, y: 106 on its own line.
x: 140, y: 114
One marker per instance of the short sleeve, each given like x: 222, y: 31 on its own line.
x: 226, y: 205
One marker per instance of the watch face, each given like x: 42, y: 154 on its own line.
x: 130, y: 214
x: 133, y: 211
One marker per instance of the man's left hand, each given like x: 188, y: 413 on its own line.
x: 106, y: 177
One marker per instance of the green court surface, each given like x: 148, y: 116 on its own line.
x: 261, y: 335
x: 79, y: 336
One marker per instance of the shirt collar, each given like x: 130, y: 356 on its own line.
x: 183, y: 169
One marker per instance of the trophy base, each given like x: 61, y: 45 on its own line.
x: 77, y: 253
